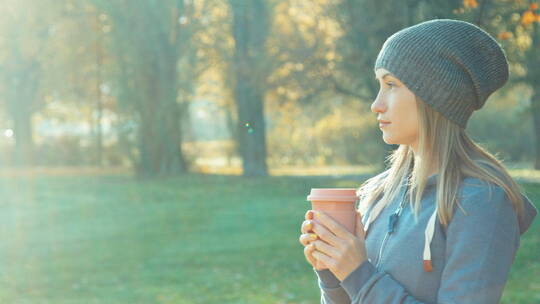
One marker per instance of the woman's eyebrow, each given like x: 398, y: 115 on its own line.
x: 384, y: 76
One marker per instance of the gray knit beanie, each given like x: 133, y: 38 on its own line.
x: 452, y: 65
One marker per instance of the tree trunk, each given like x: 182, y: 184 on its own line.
x: 250, y: 29
x: 251, y: 126
x: 160, y: 135
x: 99, y: 97
x: 21, y: 97
x: 233, y: 131
x: 22, y: 128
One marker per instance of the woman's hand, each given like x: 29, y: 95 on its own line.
x: 336, y: 247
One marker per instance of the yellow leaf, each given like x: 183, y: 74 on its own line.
x: 528, y: 17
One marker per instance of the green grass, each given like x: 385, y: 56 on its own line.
x: 192, y: 239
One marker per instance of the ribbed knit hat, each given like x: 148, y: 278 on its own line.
x: 452, y: 65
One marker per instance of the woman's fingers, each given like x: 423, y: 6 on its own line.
x: 324, y: 248
x: 307, y: 238
x: 307, y: 226
x: 308, y: 250
x: 308, y: 215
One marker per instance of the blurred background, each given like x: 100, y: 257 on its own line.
x: 161, y: 151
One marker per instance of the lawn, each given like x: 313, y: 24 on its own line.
x: 191, y: 239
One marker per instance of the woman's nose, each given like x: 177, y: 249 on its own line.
x: 378, y: 106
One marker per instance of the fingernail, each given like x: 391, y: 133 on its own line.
x: 313, y: 236
x: 309, y: 226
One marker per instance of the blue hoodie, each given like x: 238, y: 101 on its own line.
x: 470, y: 260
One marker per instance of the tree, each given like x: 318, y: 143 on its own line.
x: 150, y: 39
x: 250, y: 30
x: 26, y: 34
x: 516, y: 24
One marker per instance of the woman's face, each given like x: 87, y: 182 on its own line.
x: 397, y: 105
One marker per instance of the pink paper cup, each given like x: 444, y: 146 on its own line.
x: 338, y: 203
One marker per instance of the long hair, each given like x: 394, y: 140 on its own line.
x: 447, y: 145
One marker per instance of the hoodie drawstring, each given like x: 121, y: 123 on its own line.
x: 430, y: 230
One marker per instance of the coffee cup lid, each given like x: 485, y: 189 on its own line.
x: 333, y: 194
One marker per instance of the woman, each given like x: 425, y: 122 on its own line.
x: 443, y: 223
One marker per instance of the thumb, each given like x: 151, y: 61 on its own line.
x: 359, y: 230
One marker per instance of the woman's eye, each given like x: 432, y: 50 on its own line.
x: 389, y: 84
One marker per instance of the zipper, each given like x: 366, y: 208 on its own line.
x: 392, y: 221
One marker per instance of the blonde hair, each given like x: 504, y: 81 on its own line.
x: 449, y: 148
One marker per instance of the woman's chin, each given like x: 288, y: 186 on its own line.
x: 388, y: 140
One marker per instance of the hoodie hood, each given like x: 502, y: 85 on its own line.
x: 525, y: 221
x: 529, y: 210
x: 529, y: 213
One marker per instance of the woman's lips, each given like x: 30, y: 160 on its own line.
x: 383, y: 124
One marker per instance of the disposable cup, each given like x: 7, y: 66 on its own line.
x: 339, y: 204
